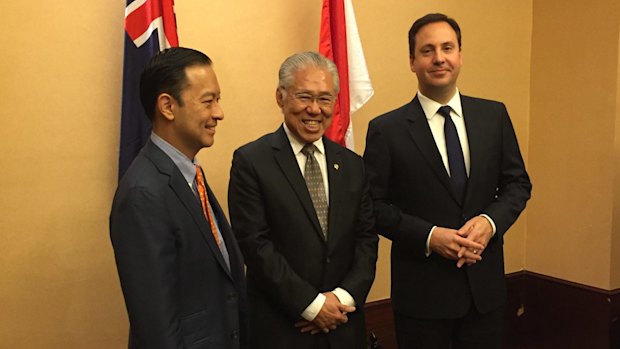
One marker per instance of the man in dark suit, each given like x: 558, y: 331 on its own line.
x: 447, y: 180
x: 180, y: 268
x: 301, y: 210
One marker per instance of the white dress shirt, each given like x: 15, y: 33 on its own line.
x: 436, y: 123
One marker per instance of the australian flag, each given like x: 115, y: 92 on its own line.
x: 150, y: 26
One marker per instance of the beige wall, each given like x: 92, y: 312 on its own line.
x: 574, y: 213
x: 61, y: 74
x: 615, y: 231
x: 61, y: 78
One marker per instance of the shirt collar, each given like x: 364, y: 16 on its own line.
x: 298, y: 146
x: 431, y: 107
x: 185, y: 165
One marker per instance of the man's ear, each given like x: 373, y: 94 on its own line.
x: 279, y: 97
x: 166, y: 105
x: 411, y: 60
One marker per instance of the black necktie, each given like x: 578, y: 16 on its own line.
x: 316, y: 187
x: 456, y: 163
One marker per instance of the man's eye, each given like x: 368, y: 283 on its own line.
x: 304, y: 98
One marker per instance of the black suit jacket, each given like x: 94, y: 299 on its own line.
x: 288, y: 260
x: 412, y: 193
x: 178, y: 289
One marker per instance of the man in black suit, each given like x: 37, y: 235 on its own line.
x: 180, y: 268
x: 447, y: 180
x: 302, y: 213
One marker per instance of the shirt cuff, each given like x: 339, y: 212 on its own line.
x: 344, y: 297
x: 314, y: 308
x: 490, y: 221
x: 428, y: 251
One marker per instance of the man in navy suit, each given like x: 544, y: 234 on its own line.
x: 301, y: 210
x: 180, y: 268
x: 447, y: 180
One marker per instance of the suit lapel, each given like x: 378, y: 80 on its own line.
x: 185, y: 194
x: 422, y: 136
x: 474, y: 124
x: 288, y: 164
x: 333, y: 154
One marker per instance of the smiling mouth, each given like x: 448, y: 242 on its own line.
x: 311, y: 122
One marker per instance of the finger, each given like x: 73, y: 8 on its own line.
x: 470, y: 244
x: 467, y: 228
x: 470, y: 262
x: 309, y: 328
x: 461, y: 252
x: 460, y: 262
x: 315, y: 331
x: 333, y: 327
x: 345, y: 308
x: 326, y: 330
x: 302, y: 323
x: 474, y: 255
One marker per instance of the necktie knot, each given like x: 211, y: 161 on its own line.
x: 444, y: 111
x: 309, y: 149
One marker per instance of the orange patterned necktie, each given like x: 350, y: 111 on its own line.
x: 204, y: 201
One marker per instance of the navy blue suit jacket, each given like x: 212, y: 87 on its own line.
x: 411, y: 191
x: 178, y: 289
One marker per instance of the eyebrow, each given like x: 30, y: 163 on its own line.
x: 210, y: 94
x: 310, y: 92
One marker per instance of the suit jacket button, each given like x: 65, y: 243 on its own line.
x: 234, y: 334
x: 327, y: 260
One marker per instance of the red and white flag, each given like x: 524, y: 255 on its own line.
x: 340, y: 41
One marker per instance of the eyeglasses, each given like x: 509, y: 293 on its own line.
x: 324, y: 100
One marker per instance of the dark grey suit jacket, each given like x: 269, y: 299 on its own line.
x: 412, y: 193
x: 178, y: 289
x: 288, y: 260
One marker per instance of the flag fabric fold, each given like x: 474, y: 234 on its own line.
x: 150, y: 26
x: 340, y: 41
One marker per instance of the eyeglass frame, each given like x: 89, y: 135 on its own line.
x: 307, y: 99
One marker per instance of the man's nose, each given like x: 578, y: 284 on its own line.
x: 218, y: 111
x: 313, y: 107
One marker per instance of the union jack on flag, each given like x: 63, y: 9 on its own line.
x: 150, y: 26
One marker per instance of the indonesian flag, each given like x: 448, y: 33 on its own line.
x: 150, y: 27
x: 340, y: 41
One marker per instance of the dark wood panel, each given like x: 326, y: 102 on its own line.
x: 542, y: 312
x: 380, y: 321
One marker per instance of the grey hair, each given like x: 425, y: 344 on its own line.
x: 303, y: 60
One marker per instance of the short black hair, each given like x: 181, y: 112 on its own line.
x: 165, y: 73
x: 428, y: 19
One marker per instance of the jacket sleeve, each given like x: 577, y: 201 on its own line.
x: 391, y: 222
x: 514, y: 186
x: 145, y: 253
x: 361, y: 274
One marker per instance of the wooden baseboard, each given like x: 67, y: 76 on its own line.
x: 545, y: 312
x: 380, y: 321
x: 542, y: 312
